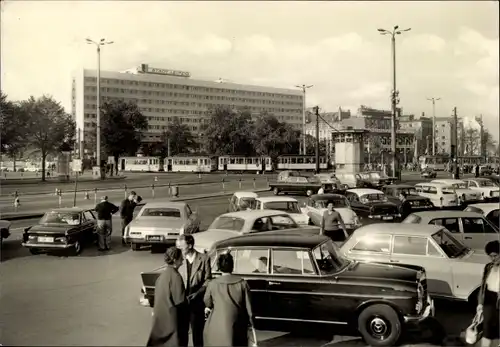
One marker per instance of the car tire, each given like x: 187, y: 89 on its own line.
x: 77, y: 248
x: 34, y: 251
x: 135, y: 246
x: 309, y: 192
x: 276, y: 191
x: 380, y: 325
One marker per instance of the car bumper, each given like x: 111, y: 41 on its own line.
x: 48, y: 245
x: 429, y: 311
x: 389, y: 218
x: 165, y: 240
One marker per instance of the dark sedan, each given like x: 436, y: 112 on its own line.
x: 61, y: 229
x: 374, y: 179
x: 412, y: 202
x: 371, y: 205
x: 298, y: 279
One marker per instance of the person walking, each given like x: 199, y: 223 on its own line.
x: 105, y: 211
x: 405, y: 208
x: 332, y: 224
x: 489, y: 296
x: 170, y: 313
x: 127, y: 208
x: 228, y: 306
x: 196, y: 272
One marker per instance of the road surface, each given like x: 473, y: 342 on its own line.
x: 93, y: 299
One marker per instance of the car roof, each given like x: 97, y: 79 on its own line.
x: 478, y: 179
x: 487, y: 207
x: 252, y: 213
x: 395, y: 186
x: 400, y: 229
x: 176, y: 204
x: 69, y: 209
x: 432, y: 184
x: 446, y: 214
x: 363, y: 191
x: 326, y: 196
x: 265, y: 199
x: 448, y: 180
x: 284, y: 238
x: 245, y: 195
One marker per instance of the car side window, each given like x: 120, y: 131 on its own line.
x: 258, y: 205
x: 410, y: 245
x: 432, y: 250
x: 281, y: 222
x: 472, y: 184
x: 373, y: 243
x: 432, y: 190
x: 251, y: 261
x: 476, y: 226
x: 494, y: 216
x: 88, y: 215
x: 291, y: 262
x: 261, y: 225
x: 449, y: 223
x: 82, y: 217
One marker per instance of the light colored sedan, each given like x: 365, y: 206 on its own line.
x: 316, y: 205
x: 453, y: 270
x: 161, y: 223
x: 242, y: 222
x: 488, y: 189
x: 282, y: 203
x: 464, y: 194
x: 491, y: 211
x: 469, y: 227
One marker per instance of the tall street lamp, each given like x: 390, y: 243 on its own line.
x: 394, y: 93
x: 304, y: 88
x: 433, y: 123
x: 98, y: 44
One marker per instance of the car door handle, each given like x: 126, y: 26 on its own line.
x: 271, y: 283
x: 394, y: 261
x: 468, y: 238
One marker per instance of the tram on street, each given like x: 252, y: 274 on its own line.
x: 301, y: 162
x: 140, y: 164
x: 245, y: 164
x: 195, y: 163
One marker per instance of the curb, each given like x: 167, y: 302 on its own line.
x: 188, y: 198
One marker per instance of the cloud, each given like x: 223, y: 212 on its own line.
x: 424, y: 43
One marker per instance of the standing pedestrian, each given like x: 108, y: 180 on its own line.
x: 476, y: 170
x: 170, y: 313
x: 489, y: 296
x: 332, y: 224
x: 405, y: 208
x: 105, y: 211
x: 229, y: 309
x: 127, y: 208
x: 196, y: 273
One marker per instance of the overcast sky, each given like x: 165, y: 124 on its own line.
x: 451, y: 51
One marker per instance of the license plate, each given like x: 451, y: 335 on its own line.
x: 45, y: 239
x: 387, y: 218
x: 155, y: 238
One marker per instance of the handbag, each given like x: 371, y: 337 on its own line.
x: 474, y: 332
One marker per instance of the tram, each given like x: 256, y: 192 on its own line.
x: 301, y: 162
x: 242, y: 164
x: 196, y: 163
x: 141, y: 164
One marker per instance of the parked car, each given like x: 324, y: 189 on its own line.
x: 372, y: 204
x: 349, y: 180
x: 316, y: 205
x: 491, y: 211
x: 243, y: 222
x: 469, y: 227
x: 494, y: 178
x: 296, y: 279
x: 416, y: 202
x: 440, y: 195
x: 61, y: 229
x: 4, y: 234
x: 464, y: 194
x: 453, y: 270
x: 485, y: 186
x: 331, y: 178
x: 300, y: 185
x: 374, y: 179
x: 285, y: 204
x: 428, y: 173
x: 241, y: 201
x: 160, y: 223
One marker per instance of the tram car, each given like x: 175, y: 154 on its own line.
x: 245, y: 164
x: 140, y: 164
x: 191, y: 163
x: 301, y: 162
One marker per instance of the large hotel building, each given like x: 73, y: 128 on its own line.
x: 164, y: 94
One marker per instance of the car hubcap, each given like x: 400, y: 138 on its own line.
x: 77, y: 247
x: 379, y: 328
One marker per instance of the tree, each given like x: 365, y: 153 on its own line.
x: 311, y: 146
x: 50, y: 129
x: 13, y: 123
x: 121, y: 127
x: 489, y: 143
x: 181, y: 138
x: 471, y: 143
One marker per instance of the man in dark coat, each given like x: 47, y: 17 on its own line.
x: 105, y: 211
x: 127, y: 208
x: 196, y: 272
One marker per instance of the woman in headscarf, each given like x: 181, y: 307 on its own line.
x: 227, y: 302
x: 170, y: 315
x: 489, y: 297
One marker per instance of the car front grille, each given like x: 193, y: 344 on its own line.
x: 383, y: 211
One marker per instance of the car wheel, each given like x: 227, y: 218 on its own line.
x: 34, y: 251
x: 379, y: 325
x: 77, y: 248
x: 135, y: 246
x: 309, y: 192
x: 276, y: 191
x: 310, y: 222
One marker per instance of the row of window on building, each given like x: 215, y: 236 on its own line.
x: 191, y: 88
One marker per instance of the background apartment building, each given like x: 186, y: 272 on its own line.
x: 443, y: 132
x: 164, y: 94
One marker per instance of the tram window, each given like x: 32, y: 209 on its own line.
x: 293, y: 160
x: 268, y: 161
x: 248, y: 161
x: 232, y: 161
x: 300, y: 160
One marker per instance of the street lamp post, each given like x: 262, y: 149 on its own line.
x: 433, y: 123
x: 304, y: 88
x: 394, y: 93
x: 98, y: 44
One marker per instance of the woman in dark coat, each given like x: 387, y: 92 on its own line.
x: 489, y: 296
x: 170, y: 317
x: 227, y: 298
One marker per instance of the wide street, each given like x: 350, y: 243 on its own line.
x: 93, y: 299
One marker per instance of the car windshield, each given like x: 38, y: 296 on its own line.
x: 375, y: 175
x: 448, y: 190
x: 450, y: 245
x: 285, y: 206
x: 474, y: 209
x: 247, y: 202
x: 53, y: 217
x: 337, y: 202
x: 373, y: 198
x: 161, y: 212
x: 408, y: 191
x: 486, y: 183
x: 459, y: 185
x: 228, y: 223
x: 329, y: 258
